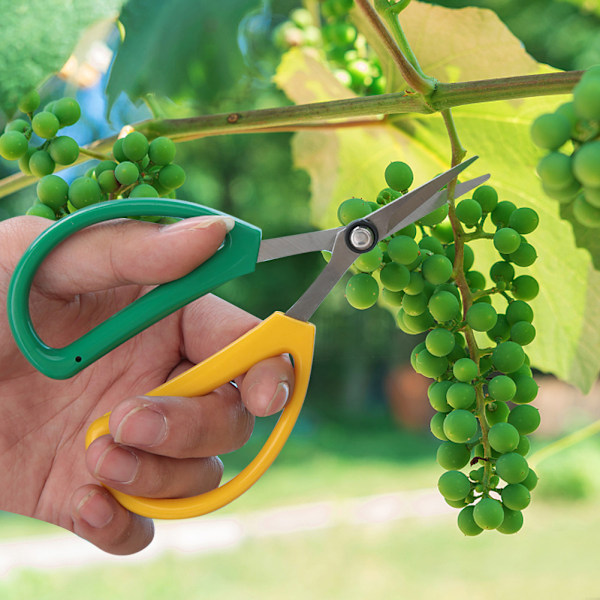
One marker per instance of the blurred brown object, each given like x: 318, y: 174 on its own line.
x: 406, y: 393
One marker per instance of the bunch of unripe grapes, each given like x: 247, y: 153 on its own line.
x: 354, y: 64
x: 570, y: 172
x: 472, y: 350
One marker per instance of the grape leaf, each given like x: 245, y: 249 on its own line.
x: 351, y: 161
x: 37, y: 38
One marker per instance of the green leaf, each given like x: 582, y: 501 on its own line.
x: 37, y: 38
x: 351, y: 162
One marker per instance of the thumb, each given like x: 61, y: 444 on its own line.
x: 125, y: 251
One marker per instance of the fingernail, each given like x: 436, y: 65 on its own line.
x: 200, y: 223
x: 280, y: 397
x: 142, y: 427
x: 95, y: 510
x: 117, y: 464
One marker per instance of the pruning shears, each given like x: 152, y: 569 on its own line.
x: 242, y: 249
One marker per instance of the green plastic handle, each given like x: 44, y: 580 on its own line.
x: 237, y: 256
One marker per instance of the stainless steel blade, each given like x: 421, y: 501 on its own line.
x: 301, y: 243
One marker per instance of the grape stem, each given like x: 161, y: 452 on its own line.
x: 93, y: 154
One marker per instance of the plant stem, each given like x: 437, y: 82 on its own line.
x: 93, y: 154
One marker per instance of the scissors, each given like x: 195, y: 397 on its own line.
x: 242, y: 249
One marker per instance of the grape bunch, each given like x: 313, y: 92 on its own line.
x: 33, y: 138
x: 354, y: 64
x: 570, y: 172
x: 473, y: 351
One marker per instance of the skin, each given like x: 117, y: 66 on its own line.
x: 159, y: 446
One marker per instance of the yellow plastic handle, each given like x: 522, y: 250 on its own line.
x: 278, y: 334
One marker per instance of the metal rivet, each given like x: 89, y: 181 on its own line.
x: 361, y: 238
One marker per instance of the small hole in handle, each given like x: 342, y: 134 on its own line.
x: 78, y: 359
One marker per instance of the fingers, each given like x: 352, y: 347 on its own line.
x: 124, y: 252
x: 100, y: 519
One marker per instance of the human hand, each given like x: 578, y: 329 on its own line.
x: 159, y: 446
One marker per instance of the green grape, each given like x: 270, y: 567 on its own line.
x: 67, y: 111
x: 108, y: 182
x: 360, y: 72
x: 524, y: 220
x: 468, y: 255
x: 84, y: 191
x: 29, y: 102
x: 488, y: 513
x: 41, y: 163
x: 451, y: 456
x: 501, y: 214
x: 340, y: 34
x: 435, y: 217
x: 24, y: 161
x: 524, y: 446
x: 465, y: 369
x: 301, y: 17
x: 436, y: 393
x: 448, y: 287
x: 419, y: 323
x: 592, y: 196
x: 13, y: 145
x: 567, y: 110
x: 513, y: 521
x: 502, y: 388
x: 440, y: 342
x: 562, y: 196
x: 475, y: 280
x: 436, y: 426
x: 496, y: 412
x: 171, y: 176
x: 481, y: 317
x: 527, y: 389
x: 454, y: 485
x: 517, y: 311
x: 586, y: 164
x: 403, y: 249
x: 143, y: 190
x: 398, y: 176
x: 524, y: 256
x: 393, y: 298
x: 508, y: 357
x: 500, y: 332
x: 477, y: 474
x: 531, y: 480
x: 525, y: 418
x: 45, y: 125
x: 443, y: 232
x: 386, y: 196
x: 502, y: 271
x: 469, y: 212
x: 41, y: 210
x: 64, y: 150
x: 414, y: 305
x: 550, y: 131
x: 161, y: 151
x: 104, y: 165
x: 516, y: 496
x: 118, y: 150
x: 585, y: 99
x: 429, y: 365
x: 394, y: 277
x: 512, y: 467
x: 503, y: 437
x: 362, y: 291
x: 460, y: 395
x: 506, y: 240
x: 444, y: 306
x: 415, y: 352
x: 432, y: 244
x: 409, y: 231
x: 487, y: 197
x: 20, y: 125
x: 436, y: 269
x: 52, y: 190
x: 135, y: 146
x: 556, y: 171
x: 460, y: 426
x: 522, y: 332
x: 525, y: 287
x: 466, y: 522
x: 127, y: 173
x: 369, y: 261
x: 585, y: 213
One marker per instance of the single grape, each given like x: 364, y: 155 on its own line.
x: 527, y: 389
x: 531, y: 480
x: 503, y: 437
x: 466, y: 522
x: 465, y: 369
x: 451, y: 456
x: 562, y: 196
x: 440, y: 342
x: 107, y: 181
x: 502, y: 388
x: 524, y: 220
x: 161, y: 151
x: 500, y: 332
x: 516, y: 496
x: 567, y: 109
x: 460, y: 395
x: 143, y: 190
x: 419, y: 323
x: 415, y: 353
x: 436, y: 393
x: 556, y: 171
x: 104, y: 165
x: 414, y: 305
x: 171, y: 176
x: 29, y: 102
x: 469, y: 212
x: 41, y: 210
x: 481, y: 316
x: 517, y: 311
x: 522, y: 332
x: 369, y: 261
x: 586, y: 164
x: 13, y: 145
x: 398, y: 175
x: 488, y: 513
x: 585, y: 98
x: 127, y: 173
x: 508, y: 357
x: 496, y: 412
x: 67, y: 111
x: 394, y: 277
x: 487, y: 197
x: 475, y: 280
x: 524, y: 256
x: 353, y: 209
x: 429, y: 244
x: 502, y: 271
x: 436, y: 425
x: 436, y: 269
x: 525, y: 287
x: 64, y: 150
x: 118, y: 150
x: 24, y: 161
x: 512, y: 467
x: 460, y: 426
x: 392, y: 298
x: 525, y: 418
x: 506, y: 240
x: 84, y: 191
x: 550, y: 131
x: 20, y: 125
x: 45, y: 124
x: 585, y: 213
x: 592, y: 196
x: 513, y: 521
x: 444, y: 306
x: 435, y: 217
x: 386, y: 195
x: 362, y: 291
x: 41, y: 163
x: 524, y: 446
x: 429, y: 365
x: 52, y: 190
x: 454, y: 485
x: 135, y: 146
x: 501, y: 214
x: 403, y: 249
